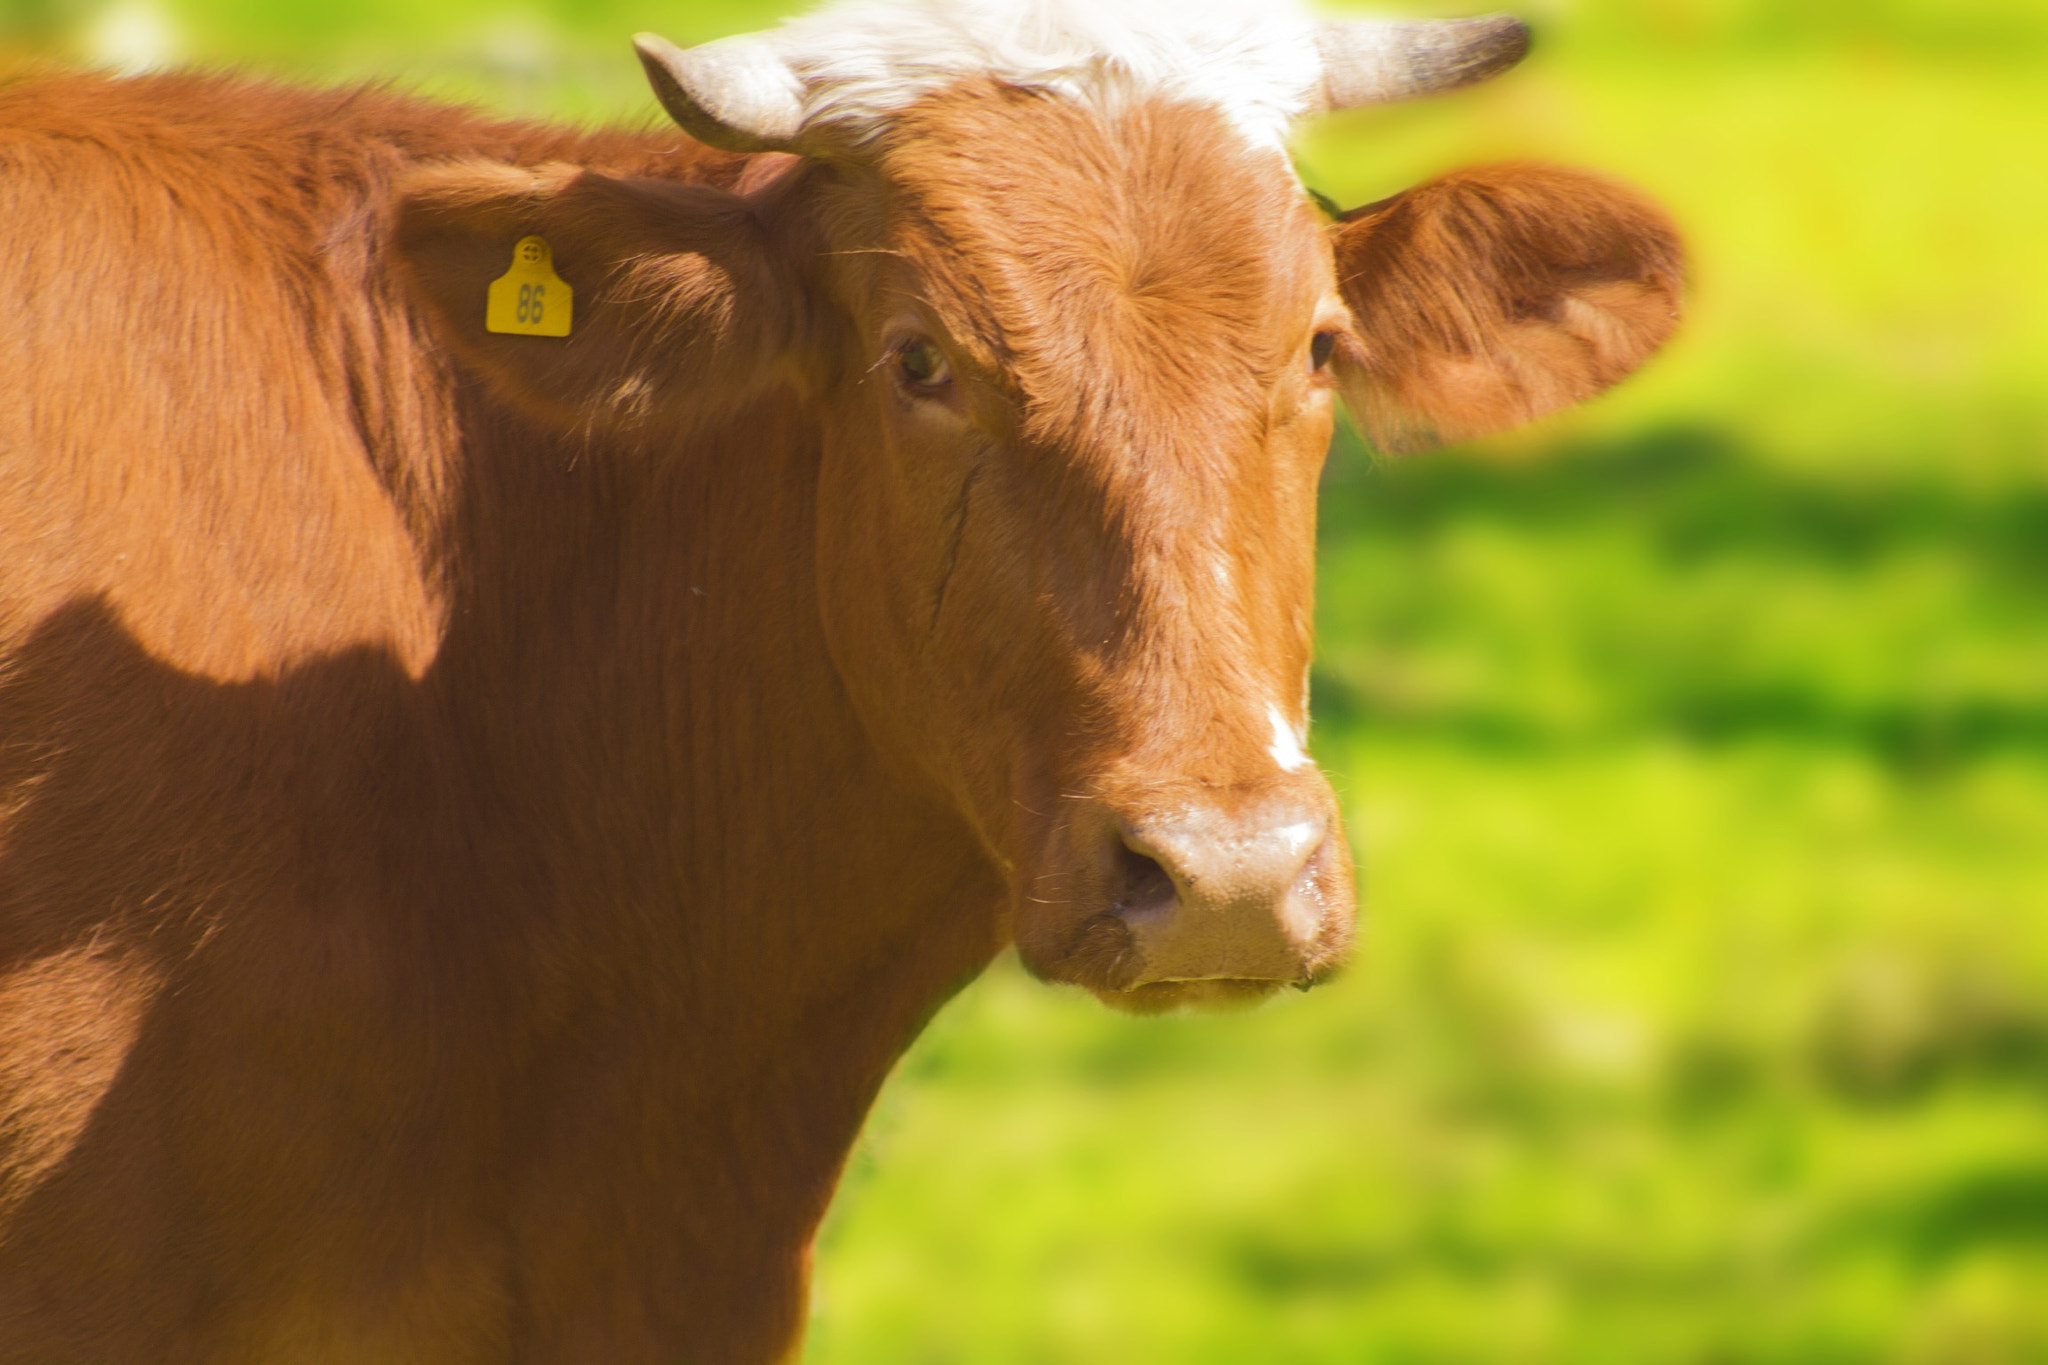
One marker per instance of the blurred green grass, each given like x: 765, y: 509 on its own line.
x: 1695, y: 743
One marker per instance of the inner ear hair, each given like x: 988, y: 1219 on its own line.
x: 680, y: 307
x: 1491, y: 296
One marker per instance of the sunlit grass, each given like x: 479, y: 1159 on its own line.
x: 1653, y: 1053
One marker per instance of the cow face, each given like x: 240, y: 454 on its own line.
x: 1071, y: 337
x: 1068, y: 556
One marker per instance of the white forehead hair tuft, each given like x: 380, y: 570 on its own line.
x: 860, y: 62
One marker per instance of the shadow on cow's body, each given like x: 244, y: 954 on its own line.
x: 328, y: 1034
x: 480, y: 814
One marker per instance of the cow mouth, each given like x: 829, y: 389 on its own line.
x: 1100, y: 957
x: 1111, y: 942
x: 1153, y: 922
x: 1211, y: 995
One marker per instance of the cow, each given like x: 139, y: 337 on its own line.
x: 489, y: 785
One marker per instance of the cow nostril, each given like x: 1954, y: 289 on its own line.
x: 1144, y: 888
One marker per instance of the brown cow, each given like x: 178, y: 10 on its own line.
x: 480, y: 813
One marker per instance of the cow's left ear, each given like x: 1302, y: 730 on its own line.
x: 683, y: 306
x: 1491, y: 296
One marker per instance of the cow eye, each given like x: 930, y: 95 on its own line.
x: 1320, y: 349
x: 922, y: 366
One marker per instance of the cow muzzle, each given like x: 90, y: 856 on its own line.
x: 1196, y: 905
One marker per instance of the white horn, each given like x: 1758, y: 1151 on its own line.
x: 1374, y: 63
x: 737, y: 93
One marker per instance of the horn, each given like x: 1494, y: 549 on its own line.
x: 1374, y: 63
x: 737, y: 94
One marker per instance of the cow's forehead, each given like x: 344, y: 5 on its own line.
x: 861, y: 64
x: 1061, y: 236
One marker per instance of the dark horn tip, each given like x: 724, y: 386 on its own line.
x: 1510, y: 39
x: 1487, y: 47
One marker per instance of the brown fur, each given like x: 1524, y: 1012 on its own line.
x: 480, y: 815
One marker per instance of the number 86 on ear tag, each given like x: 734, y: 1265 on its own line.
x: 529, y: 299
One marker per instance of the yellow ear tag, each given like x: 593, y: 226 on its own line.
x: 530, y: 299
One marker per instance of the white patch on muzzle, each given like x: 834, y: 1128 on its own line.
x: 1287, y: 746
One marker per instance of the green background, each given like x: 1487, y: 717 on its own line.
x: 1695, y: 745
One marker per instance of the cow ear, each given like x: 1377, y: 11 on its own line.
x: 1492, y: 296
x: 681, y: 310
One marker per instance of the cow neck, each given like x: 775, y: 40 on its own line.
x: 732, y: 917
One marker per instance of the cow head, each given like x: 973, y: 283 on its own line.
x: 1073, y: 332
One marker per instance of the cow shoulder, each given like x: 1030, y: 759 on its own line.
x: 1491, y: 296
x: 178, y: 438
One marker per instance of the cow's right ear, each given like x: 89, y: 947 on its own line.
x: 1491, y: 296
x: 682, y: 309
